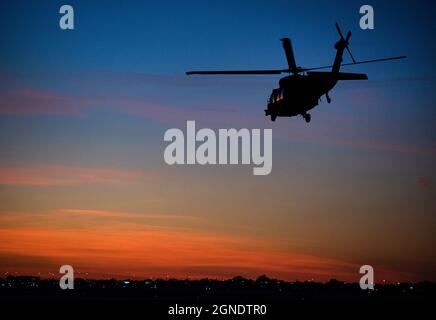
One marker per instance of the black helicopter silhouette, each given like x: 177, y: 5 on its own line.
x: 301, y: 91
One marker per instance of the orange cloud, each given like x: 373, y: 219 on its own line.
x: 134, y: 248
x: 160, y: 252
x: 64, y: 175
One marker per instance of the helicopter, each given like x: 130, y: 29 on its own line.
x: 301, y: 90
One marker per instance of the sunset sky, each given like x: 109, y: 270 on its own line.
x: 83, y: 113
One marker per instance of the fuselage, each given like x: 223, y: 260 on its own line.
x: 298, y: 94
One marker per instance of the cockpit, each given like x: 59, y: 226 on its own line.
x: 276, y: 95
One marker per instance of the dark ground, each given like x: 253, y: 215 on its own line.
x: 151, y: 299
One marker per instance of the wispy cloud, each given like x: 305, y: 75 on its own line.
x: 65, y: 175
x: 28, y: 101
x: 120, y: 214
x: 34, y: 101
x: 424, y: 183
x: 31, y: 101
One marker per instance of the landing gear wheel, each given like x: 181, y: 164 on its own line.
x: 273, y: 117
x: 307, y: 117
x: 328, y: 98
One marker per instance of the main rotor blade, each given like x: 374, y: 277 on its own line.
x: 289, y: 52
x: 339, y: 31
x: 234, y: 72
x: 358, y: 62
x: 279, y: 71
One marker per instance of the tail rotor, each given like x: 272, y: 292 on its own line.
x: 345, y: 41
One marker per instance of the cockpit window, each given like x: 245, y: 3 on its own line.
x: 276, y: 95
